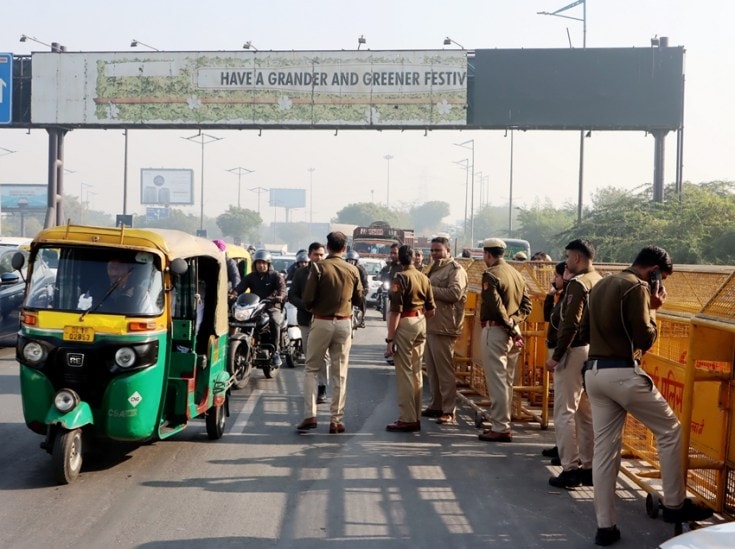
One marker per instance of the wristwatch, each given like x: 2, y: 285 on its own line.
x: 388, y: 340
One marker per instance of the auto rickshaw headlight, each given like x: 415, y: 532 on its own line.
x: 34, y: 353
x: 125, y: 357
x: 66, y: 400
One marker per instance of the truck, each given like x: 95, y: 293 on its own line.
x: 376, y: 239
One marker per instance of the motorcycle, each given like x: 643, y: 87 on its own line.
x: 249, y: 323
x: 382, y: 296
x: 358, y: 319
x: 295, y: 343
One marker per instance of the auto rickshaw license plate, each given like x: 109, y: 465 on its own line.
x: 83, y: 334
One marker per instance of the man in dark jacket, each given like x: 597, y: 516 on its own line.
x: 267, y: 284
x: 303, y: 317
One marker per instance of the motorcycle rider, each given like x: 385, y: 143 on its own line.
x: 267, y: 284
x: 353, y: 257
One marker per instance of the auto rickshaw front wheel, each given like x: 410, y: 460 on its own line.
x: 67, y: 455
x: 216, y: 420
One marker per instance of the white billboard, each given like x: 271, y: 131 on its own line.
x: 334, y: 88
x: 287, y: 198
x: 162, y: 187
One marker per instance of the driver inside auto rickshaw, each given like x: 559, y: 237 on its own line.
x: 125, y: 287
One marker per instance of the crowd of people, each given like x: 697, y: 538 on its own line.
x: 598, y: 330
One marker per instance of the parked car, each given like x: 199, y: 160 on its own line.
x: 281, y: 263
x: 12, y: 291
x: 373, y: 266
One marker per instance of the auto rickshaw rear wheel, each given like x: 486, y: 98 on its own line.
x: 216, y: 420
x: 67, y: 455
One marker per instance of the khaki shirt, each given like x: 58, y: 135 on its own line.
x: 504, y: 296
x: 619, y: 318
x: 573, y: 305
x: 411, y: 290
x: 332, y: 287
x: 449, y: 284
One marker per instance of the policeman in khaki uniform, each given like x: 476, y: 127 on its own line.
x: 505, y: 304
x: 449, y: 283
x: 572, y: 414
x: 332, y: 288
x: 622, y: 327
x: 411, y: 301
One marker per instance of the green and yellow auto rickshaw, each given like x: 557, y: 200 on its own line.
x: 127, y: 341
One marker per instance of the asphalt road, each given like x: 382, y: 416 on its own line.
x: 264, y: 485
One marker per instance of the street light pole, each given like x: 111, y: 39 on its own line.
x: 388, y: 158
x: 311, y: 198
x: 466, y: 163
x: 258, y: 190
x: 204, y: 139
x: 239, y: 171
x: 470, y: 144
x: 583, y: 20
x: 510, y: 190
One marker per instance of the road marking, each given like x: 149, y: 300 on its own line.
x: 241, y: 421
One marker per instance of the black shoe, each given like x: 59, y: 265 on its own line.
x: 566, y: 479
x: 550, y: 452
x: 585, y: 477
x: 321, y: 396
x: 689, y: 512
x: 556, y: 461
x: 607, y: 536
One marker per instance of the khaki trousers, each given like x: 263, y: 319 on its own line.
x: 323, y: 374
x: 409, y: 339
x: 334, y: 336
x: 572, y: 412
x: 613, y: 393
x: 499, y: 359
x: 440, y: 370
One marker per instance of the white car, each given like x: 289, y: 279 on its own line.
x: 373, y: 266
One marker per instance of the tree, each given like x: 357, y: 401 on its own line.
x: 364, y: 213
x: 542, y: 224
x: 177, y: 219
x: 428, y: 216
x: 241, y: 224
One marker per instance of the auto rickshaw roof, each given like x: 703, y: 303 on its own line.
x: 170, y: 242
x: 237, y: 252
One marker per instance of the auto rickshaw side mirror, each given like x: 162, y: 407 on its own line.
x: 18, y: 260
x: 178, y: 266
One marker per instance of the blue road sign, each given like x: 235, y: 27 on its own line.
x: 6, y: 88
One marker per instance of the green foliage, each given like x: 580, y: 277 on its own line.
x: 177, y: 219
x: 697, y: 230
x: 428, y: 216
x: 364, y: 213
x: 241, y: 224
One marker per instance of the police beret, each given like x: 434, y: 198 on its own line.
x: 520, y: 256
x: 493, y: 243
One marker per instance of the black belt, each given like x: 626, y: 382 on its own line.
x: 603, y: 363
x: 579, y: 344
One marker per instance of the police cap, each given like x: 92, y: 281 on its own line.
x: 493, y: 243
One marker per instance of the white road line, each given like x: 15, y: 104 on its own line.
x: 241, y: 421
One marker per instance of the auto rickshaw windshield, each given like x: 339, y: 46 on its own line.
x: 98, y: 280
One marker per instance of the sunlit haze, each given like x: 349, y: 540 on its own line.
x: 351, y: 166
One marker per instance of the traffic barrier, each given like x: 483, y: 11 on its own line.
x: 691, y: 364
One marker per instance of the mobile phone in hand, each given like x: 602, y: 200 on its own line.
x: 653, y: 277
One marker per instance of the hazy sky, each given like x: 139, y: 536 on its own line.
x: 350, y: 167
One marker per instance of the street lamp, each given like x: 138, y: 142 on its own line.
x: 55, y: 46
x: 135, y: 43
x: 510, y: 191
x: 239, y: 171
x: 583, y: 19
x: 470, y: 144
x: 388, y: 158
x: 360, y: 41
x: 258, y: 190
x: 311, y: 198
x: 204, y: 139
x: 82, y: 187
x: 466, y: 163
x: 448, y: 42
x: 249, y: 46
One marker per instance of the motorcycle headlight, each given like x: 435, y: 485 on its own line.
x: 242, y: 313
x: 125, y: 357
x: 66, y: 400
x: 34, y: 352
x: 386, y: 285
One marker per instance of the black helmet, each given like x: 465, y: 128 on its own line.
x: 263, y: 255
x: 352, y: 255
x: 302, y: 257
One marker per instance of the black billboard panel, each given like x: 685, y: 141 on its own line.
x: 604, y: 89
